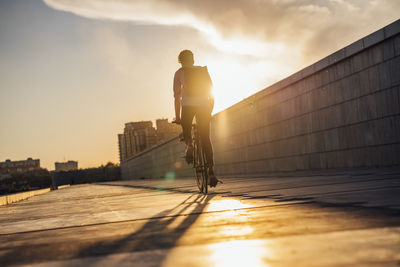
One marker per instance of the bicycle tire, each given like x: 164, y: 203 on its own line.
x: 204, y: 169
x: 199, y: 163
x: 196, y: 160
x: 196, y: 168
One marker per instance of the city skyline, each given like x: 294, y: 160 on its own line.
x: 73, y: 74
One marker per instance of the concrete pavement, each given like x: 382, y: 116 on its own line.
x: 327, y: 218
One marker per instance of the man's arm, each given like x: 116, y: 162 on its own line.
x: 177, y: 96
x: 177, y: 109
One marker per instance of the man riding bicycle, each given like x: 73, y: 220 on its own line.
x: 192, y: 92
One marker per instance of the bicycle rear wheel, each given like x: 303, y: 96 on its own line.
x: 197, y: 167
x: 199, y: 164
x: 205, y: 173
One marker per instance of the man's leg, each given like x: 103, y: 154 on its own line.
x: 203, y: 118
x: 187, y: 116
x: 188, y: 113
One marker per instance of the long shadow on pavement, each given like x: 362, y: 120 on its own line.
x: 155, y: 188
x: 157, y: 233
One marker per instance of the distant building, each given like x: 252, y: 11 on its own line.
x: 122, y: 147
x: 141, y: 135
x: 66, y: 166
x: 166, y: 129
x: 137, y: 137
x: 9, y: 166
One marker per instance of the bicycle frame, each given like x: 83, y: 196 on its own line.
x: 200, y: 167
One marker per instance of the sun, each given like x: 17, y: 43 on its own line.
x: 235, y: 80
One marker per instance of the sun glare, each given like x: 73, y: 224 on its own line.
x: 228, y: 90
x: 234, y: 80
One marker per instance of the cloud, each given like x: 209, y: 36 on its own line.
x: 304, y: 30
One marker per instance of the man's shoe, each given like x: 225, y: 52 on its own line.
x: 181, y: 138
x: 213, y: 181
x: 189, y: 154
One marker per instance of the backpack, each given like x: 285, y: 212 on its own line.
x: 197, y: 81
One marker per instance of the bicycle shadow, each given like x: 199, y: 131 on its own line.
x: 168, y: 189
x: 155, y: 188
x: 157, y: 233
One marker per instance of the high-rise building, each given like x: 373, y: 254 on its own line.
x: 9, y: 166
x: 141, y: 135
x: 137, y: 137
x: 166, y: 129
x: 122, y: 147
x: 66, y: 166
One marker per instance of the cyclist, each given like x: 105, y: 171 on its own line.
x: 192, y: 93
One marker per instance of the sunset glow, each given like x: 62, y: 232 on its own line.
x: 74, y: 72
x: 236, y: 80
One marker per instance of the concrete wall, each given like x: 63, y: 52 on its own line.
x: 340, y: 112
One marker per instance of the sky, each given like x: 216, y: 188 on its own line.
x: 73, y: 72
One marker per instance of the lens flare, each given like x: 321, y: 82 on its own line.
x: 178, y: 165
x: 170, y: 176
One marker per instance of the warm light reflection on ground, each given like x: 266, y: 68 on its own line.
x: 230, y: 224
x: 239, y: 253
x: 235, y: 252
x: 229, y: 208
x: 236, y: 230
x: 226, y: 204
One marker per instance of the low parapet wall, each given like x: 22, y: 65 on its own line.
x: 340, y: 112
x: 12, y: 198
x: 163, y: 160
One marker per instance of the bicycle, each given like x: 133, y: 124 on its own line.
x: 200, y: 166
